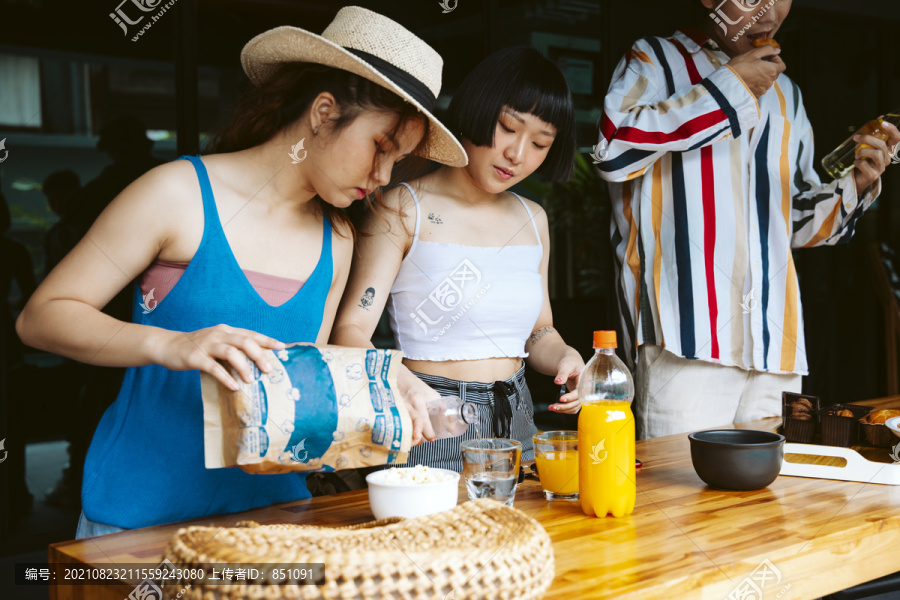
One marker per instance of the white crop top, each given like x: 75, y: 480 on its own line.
x: 456, y: 302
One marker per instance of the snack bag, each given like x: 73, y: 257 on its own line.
x: 320, y: 408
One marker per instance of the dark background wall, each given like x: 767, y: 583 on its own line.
x: 183, y: 74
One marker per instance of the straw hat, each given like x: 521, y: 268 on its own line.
x: 371, y: 46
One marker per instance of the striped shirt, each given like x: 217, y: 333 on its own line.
x: 711, y: 188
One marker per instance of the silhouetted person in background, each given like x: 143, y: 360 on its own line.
x: 61, y: 189
x: 15, y: 267
x: 125, y: 140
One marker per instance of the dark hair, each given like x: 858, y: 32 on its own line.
x: 698, y: 11
x: 62, y: 181
x: 264, y: 110
x: 60, y: 188
x: 524, y: 80
x: 125, y: 134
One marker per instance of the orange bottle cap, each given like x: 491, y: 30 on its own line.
x: 605, y: 339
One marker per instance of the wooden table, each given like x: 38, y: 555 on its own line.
x: 684, y: 540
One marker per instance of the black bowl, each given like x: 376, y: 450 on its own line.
x: 737, y: 459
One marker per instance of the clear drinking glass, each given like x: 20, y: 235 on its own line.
x: 491, y: 468
x: 556, y: 455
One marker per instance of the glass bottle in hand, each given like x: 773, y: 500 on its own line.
x: 840, y: 162
x: 451, y: 417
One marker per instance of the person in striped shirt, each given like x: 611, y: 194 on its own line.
x: 708, y: 152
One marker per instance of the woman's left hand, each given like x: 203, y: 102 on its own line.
x: 567, y: 373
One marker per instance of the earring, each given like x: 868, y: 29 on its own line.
x: 316, y: 130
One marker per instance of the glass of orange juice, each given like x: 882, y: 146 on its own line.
x: 556, y: 455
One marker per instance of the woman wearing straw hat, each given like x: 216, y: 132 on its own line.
x: 234, y: 254
x: 462, y: 262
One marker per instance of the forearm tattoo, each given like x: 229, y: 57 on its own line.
x: 367, y: 299
x: 540, y: 333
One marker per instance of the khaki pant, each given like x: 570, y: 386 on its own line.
x: 677, y: 395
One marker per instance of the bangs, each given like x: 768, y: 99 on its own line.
x: 543, y: 95
x: 526, y: 81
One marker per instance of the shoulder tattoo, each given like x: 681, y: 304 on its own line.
x: 436, y: 219
x: 541, y: 333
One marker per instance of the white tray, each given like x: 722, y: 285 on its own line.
x: 856, y: 469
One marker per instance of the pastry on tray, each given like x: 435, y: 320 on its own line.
x: 879, y: 416
x: 839, y: 424
x: 875, y: 430
x: 802, y: 409
x: 800, y: 416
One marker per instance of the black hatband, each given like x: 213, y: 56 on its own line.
x: 409, y: 84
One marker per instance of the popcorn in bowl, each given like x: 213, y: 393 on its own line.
x: 412, y: 491
x: 412, y: 476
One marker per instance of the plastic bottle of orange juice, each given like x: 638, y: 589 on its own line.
x: 606, y: 432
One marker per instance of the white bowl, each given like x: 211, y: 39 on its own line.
x: 894, y: 425
x: 411, y: 500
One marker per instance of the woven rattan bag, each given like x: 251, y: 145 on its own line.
x: 479, y: 550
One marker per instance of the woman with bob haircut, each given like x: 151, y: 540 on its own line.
x: 234, y: 254
x: 461, y: 262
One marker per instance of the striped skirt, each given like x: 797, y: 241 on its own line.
x: 445, y: 453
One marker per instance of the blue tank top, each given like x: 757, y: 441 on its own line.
x: 145, y: 465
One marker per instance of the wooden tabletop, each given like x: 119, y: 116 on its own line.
x: 684, y: 540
